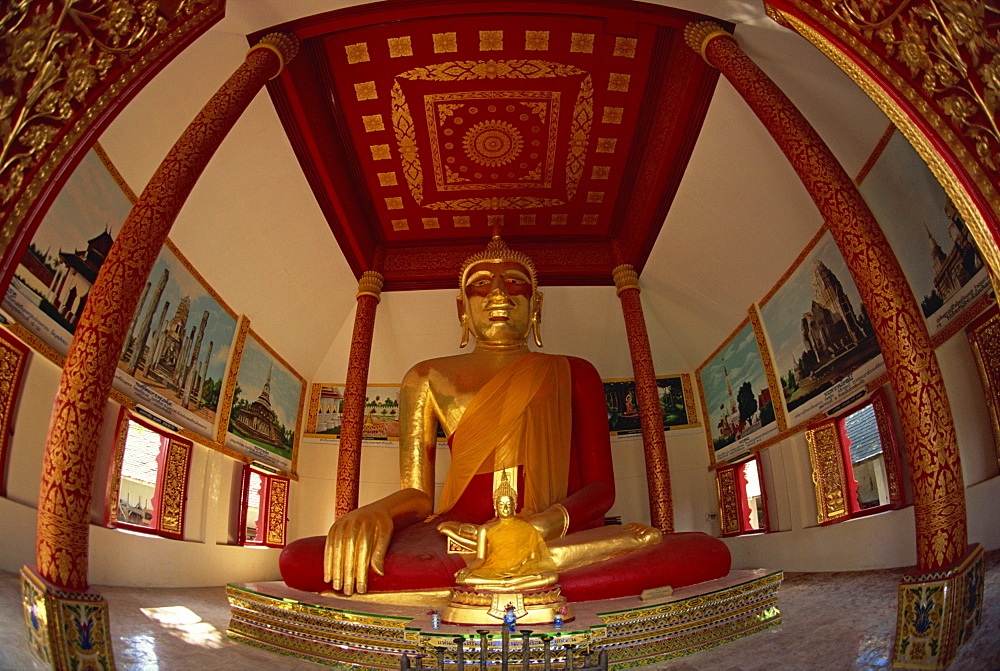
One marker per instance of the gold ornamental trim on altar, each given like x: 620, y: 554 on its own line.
x: 478, y: 607
x: 916, y: 45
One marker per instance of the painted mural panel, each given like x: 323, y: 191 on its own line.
x: 739, y: 408
x: 174, y: 358
x: 926, y: 232
x: 822, y: 342
x: 176, y: 349
x: 381, y: 412
x: 676, y: 402
x: 51, y: 284
x: 267, y: 397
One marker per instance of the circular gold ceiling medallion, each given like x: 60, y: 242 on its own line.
x: 492, y: 143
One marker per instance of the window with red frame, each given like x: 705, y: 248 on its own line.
x: 149, y: 484
x: 856, y: 462
x: 263, y: 508
x: 742, y: 504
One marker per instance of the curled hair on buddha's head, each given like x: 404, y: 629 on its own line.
x: 497, y: 251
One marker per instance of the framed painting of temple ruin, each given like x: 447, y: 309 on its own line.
x: 53, y: 279
x: 177, y: 346
x: 928, y: 236
x: 381, y: 412
x: 676, y: 401
x: 263, y: 400
x: 174, y: 358
x: 822, y: 343
x: 737, y: 402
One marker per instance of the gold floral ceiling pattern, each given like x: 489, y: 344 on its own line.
x: 421, y: 132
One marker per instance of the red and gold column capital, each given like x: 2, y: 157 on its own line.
x: 698, y: 35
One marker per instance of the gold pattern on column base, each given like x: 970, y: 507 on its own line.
x: 66, y: 630
x: 284, y: 45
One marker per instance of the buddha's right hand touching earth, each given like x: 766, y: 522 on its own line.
x: 359, y: 540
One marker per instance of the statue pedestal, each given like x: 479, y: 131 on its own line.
x: 487, y: 607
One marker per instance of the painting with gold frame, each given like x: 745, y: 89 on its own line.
x: 263, y: 403
x: 927, y: 234
x: 821, y: 340
x: 50, y: 284
x: 676, y: 401
x: 736, y: 399
x: 381, y: 412
x: 174, y: 358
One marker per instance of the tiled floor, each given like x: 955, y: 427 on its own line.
x: 831, y: 621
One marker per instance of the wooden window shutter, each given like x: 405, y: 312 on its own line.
x: 173, y: 498
x: 277, y: 512
x: 829, y: 477
x: 729, y: 501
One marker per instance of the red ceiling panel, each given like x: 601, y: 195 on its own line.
x: 422, y: 126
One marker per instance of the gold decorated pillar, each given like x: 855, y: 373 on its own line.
x: 661, y: 510
x: 75, y: 429
x: 355, y: 393
x: 928, y: 427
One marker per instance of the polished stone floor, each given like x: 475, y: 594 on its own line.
x: 831, y: 621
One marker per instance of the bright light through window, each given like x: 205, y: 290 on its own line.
x: 137, y: 487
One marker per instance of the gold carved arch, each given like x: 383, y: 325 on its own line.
x: 951, y: 54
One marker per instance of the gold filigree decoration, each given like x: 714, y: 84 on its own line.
x: 174, y: 488
x: 984, y: 337
x: 495, y: 203
x: 729, y: 508
x: 951, y: 49
x: 406, y: 140
x: 451, y: 71
x: 493, y: 143
x: 53, y: 63
x: 277, y: 511
x: 446, y: 110
x: 579, y: 136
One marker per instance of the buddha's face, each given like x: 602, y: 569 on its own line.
x: 504, y: 506
x: 498, y: 301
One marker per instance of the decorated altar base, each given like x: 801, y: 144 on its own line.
x: 357, y: 632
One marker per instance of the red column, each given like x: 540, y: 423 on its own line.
x: 661, y: 509
x: 928, y: 427
x: 74, y: 432
x: 353, y: 419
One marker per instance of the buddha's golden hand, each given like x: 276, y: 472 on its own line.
x: 463, y: 534
x: 355, y: 542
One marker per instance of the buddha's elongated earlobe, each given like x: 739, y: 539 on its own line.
x: 536, y: 319
x: 463, y: 319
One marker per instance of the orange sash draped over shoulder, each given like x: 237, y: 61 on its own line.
x: 522, y: 417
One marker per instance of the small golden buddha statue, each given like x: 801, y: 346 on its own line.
x: 510, y: 554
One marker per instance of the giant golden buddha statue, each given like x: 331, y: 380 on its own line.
x: 539, y: 420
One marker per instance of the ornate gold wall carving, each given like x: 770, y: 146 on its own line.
x: 63, y: 67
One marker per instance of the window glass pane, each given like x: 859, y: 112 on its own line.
x: 138, y: 480
x: 755, y: 500
x: 253, y: 506
x: 867, y: 462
